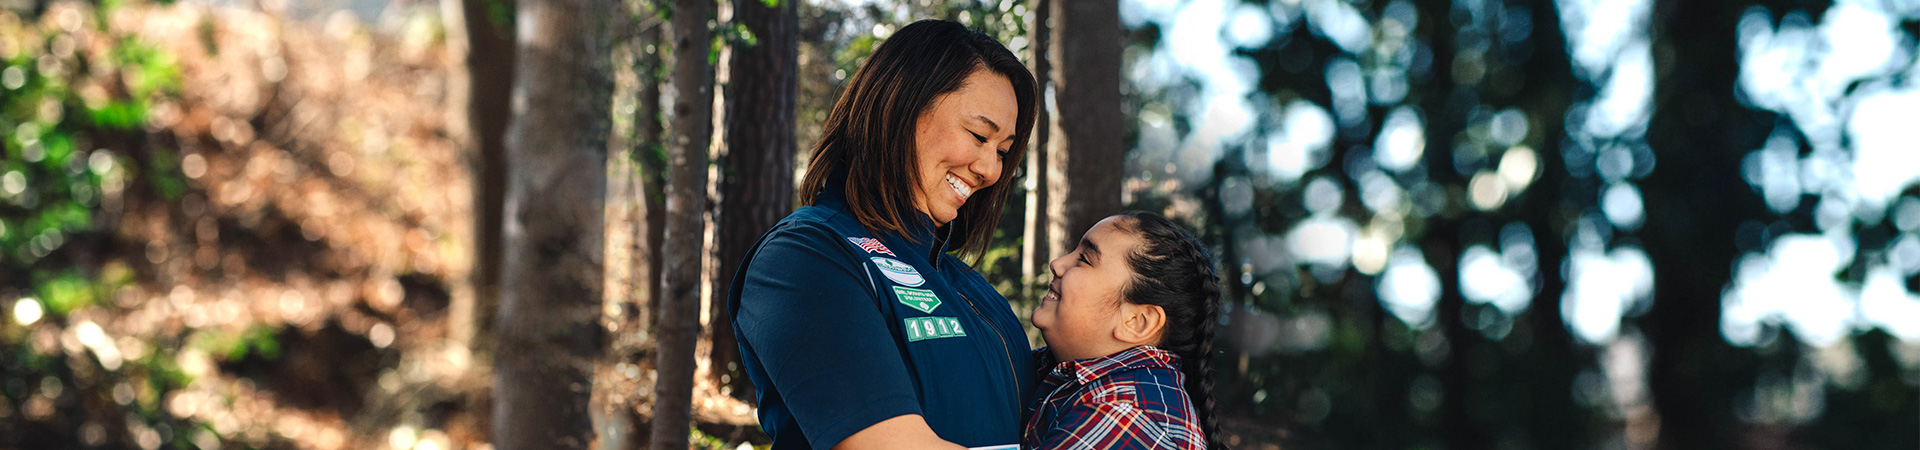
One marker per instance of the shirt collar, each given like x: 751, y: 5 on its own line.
x: 1085, y: 371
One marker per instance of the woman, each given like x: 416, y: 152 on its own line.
x: 856, y: 326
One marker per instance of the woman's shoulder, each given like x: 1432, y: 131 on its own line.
x: 816, y: 214
x: 805, y: 248
x: 814, y: 229
x: 809, y: 223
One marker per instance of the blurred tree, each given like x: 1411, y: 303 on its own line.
x: 1697, y: 201
x: 552, y: 271
x: 636, y: 170
x: 480, y: 76
x: 1087, y: 137
x: 480, y: 43
x: 1547, y: 368
x: 756, y: 159
x: 650, y: 151
x: 678, y: 325
x: 1034, y: 242
x: 1441, y: 242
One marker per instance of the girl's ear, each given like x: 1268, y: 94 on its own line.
x: 1140, y: 324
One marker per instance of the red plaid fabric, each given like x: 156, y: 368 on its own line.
x: 1134, y: 399
x: 871, y: 245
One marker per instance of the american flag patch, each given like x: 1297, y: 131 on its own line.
x: 871, y: 245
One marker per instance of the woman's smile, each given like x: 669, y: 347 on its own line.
x: 960, y: 187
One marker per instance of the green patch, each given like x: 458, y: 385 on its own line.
x: 67, y: 291
x: 920, y: 299
x: 229, y: 346
x: 923, y: 328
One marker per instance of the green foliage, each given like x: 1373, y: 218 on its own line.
x: 163, y: 372
x: 56, y: 98
x: 500, y: 13
x: 148, y: 73
x: 258, y: 340
x: 163, y: 174
x: 850, y: 58
x: 75, y: 98
x: 735, y: 34
x: 700, y: 440
x: 1002, y: 259
x: 67, y: 291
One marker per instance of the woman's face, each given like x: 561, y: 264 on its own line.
x: 1081, y: 309
x: 960, y: 141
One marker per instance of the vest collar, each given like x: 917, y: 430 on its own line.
x: 920, y: 229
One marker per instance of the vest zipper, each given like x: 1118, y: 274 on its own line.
x: 1015, y: 377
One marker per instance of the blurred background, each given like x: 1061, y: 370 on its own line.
x: 1466, y: 224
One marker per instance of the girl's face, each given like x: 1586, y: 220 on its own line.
x: 1081, y: 310
x: 960, y: 142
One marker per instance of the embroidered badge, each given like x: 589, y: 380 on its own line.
x: 871, y: 245
x: 920, y: 299
x: 899, y: 272
x: 924, y: 328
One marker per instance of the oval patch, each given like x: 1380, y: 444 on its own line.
x: 899, y: 272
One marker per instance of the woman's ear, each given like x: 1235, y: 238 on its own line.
x: 1140, y: 324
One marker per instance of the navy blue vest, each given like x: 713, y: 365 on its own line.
x: 841, y: 327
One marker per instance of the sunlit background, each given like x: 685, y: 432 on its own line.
x: 1345, y: 152
x: 1465, y: 224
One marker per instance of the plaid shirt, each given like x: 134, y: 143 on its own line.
x: 1134, y: 399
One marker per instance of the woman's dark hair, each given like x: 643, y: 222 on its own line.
x: 866, y: 147
x: 1172, y: 270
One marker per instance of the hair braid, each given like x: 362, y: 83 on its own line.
x: 1199, y: 365
x: 1174, y: 271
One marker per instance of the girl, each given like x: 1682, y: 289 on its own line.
x: 1129, y: 321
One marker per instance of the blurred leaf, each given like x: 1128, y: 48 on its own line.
x: 120, y: 115
x: 66, y: 292
x: 163, y: 171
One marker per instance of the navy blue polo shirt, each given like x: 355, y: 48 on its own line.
x: 841, y: 328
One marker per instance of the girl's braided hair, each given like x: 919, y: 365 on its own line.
x: 1174, y: 271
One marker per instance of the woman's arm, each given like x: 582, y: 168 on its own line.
x: 908, y: 431
x: 808, y: 323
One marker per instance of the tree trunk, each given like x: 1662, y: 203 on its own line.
x: 632, y: 225
x: 1444, y: 108
x: 678, y: 324
x: 756, y: 162
x: 1033, y: 249
x: 1553, y: 419
x: 549, y: 337
x: 649, y: 150
x: 1460, y: 427
x: 477, y: 113
x: 1088, y: 137
x: 1698, y: 198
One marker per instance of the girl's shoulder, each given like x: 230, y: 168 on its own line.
x: 1154, y: 384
